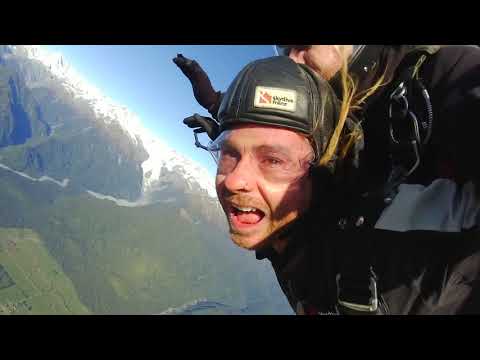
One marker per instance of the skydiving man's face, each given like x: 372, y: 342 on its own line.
x: 262, y: 181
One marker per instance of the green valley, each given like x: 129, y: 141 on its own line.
x: 31, y: 281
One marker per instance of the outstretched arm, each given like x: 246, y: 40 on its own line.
x: 201, y: 85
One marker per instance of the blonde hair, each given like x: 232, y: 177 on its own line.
x: 341, y: 141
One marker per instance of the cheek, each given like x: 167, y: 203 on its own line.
x: 272, y: 194
x: 299, y: 195
x: 326, y: 63
x: 289, y: 198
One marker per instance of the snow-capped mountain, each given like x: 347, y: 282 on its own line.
x: 133, y: 225
x: 161, y: 157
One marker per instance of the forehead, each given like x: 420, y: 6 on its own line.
x: 251, y: 135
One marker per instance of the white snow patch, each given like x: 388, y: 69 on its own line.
x: 143, y: 201
x: 63, y: 183
x: 119, y: 202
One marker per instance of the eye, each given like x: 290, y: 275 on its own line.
x: 228, y: 158
x: 272, y: 162
x: 228, y: 154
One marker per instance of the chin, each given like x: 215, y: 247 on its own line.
x: 248, y: 242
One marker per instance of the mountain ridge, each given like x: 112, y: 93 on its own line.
x: 159, y: 154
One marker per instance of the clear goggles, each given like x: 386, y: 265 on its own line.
x: 275, y: 163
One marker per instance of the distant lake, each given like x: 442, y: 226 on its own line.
x: 209, y: 307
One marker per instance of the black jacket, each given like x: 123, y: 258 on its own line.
x: 417, y: 272
x: 422, y: 248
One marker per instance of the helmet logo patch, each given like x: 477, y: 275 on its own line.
x: 275, y: 98
x: 265, y: 97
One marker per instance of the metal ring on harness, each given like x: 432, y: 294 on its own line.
x: 399, y: 91
x: 398, y: 97
x: 416, y: 132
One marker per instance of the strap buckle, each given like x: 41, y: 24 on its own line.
x: 349, y: 305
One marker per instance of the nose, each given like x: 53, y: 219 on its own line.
x: 241, y: 178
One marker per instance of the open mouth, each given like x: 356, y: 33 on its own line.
x: 243, y: 216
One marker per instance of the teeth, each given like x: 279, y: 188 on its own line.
x: 244, y: 209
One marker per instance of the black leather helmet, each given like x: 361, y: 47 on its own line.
x: 279, y: 92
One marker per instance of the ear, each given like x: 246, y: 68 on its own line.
x: 297, y: 55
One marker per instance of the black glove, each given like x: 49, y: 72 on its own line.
x: 202, y: 87
x: 202, y: 124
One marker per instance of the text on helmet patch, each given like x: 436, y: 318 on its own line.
x: 275, y: 98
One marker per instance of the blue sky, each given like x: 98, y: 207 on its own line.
x: 145, y: 79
